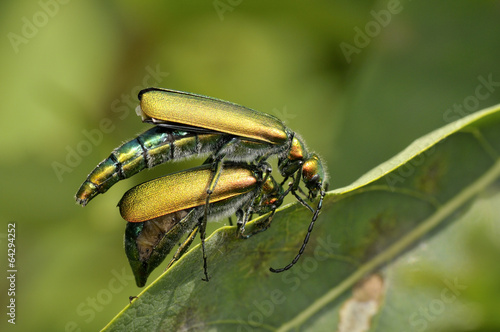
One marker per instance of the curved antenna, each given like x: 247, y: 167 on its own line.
x: 306, y: 239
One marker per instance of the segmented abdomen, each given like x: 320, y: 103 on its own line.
x: 151, y: 148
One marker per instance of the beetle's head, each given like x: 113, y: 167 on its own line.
x: 271, y: 197
x: 313, y: 175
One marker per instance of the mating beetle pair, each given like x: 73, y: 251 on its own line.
x: 233, y: 136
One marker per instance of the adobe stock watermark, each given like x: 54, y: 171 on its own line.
x: 283, y: 113
x: 425, y: 315
x: 471, y: 103
x: 30, y: 26
x: 363, y: 37
x: 406, y: 170
x: 223, y: 6
x: 88, y: 309
x: 293, y: 278
x: 93, y: 137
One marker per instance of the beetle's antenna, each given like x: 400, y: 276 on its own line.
x: 306, y: 239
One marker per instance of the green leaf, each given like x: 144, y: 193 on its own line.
x: 373, y: 259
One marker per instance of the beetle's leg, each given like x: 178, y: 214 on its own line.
x: 302, y: 191
x: 294, y: 186
x: 216, y: 174
x: 306, y: 239
x: 283, y: 182
x: 302, y: 201
x: 240, y: 216
x: 203, y: 228
x: 266, y: 223
x: 266, y: 171
x: 216, y: 160
x: 183, y: 248
x: 243, y: 218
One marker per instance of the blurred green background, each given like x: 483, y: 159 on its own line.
x: 359, y: 80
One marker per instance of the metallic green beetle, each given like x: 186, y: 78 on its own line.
x: 161, y: 211
x: 191, y: 125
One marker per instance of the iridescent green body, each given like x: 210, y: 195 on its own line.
x: 161, y: 211
x: 151, y: 148
x: 193, y: 125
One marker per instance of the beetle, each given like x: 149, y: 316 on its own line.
x: 161, y: 211
x: 189, y: 124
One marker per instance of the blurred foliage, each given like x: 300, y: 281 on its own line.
x: 83, y: 63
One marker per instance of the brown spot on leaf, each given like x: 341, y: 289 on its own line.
x: 357, y: 312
